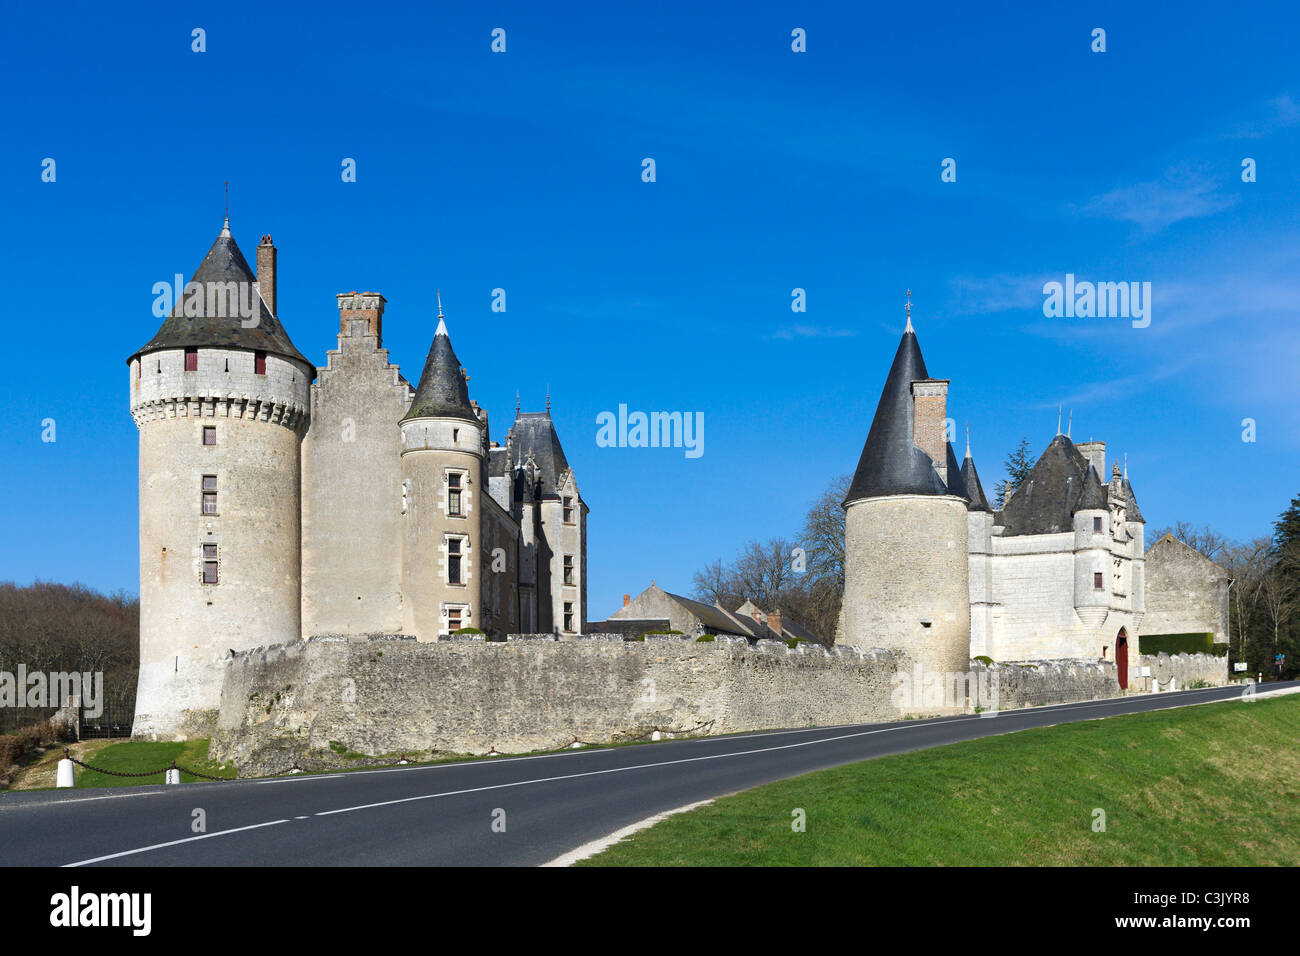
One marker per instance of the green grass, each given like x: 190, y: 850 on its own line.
x: 1213, y: 785
x: 137, y: 756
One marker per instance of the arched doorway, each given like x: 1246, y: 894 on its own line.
x: 1121, y: 658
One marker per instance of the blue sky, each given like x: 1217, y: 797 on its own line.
x: 775, y: 170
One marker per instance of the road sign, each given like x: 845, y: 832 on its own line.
x: 1239, y: 666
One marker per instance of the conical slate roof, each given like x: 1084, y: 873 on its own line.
x: 970, y: 480
x: 891, y: 464
x: 1134, y: 513
x: 1093, y: 497
x: 955, y: 484
x: 1045, y: 501
x: 223, y: 264
x: 442, y: 392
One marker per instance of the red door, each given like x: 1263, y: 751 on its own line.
x: 1121, y: 659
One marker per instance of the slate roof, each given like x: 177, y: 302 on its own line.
x: 956, y: 485
x: 1094, y: 495
x: 443, y: 391
x: 1134, y: 513
x: 970, y: 480
x: 534, y: 433
x: 891, y: 464
x: 224, y: 263
x: 1045, y: 501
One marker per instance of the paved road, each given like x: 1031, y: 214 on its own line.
x: 443, y: 814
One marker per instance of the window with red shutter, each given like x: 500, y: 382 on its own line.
x: 259, y: 363
x: 191, y: 360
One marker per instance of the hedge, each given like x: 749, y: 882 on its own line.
x: 1181, y: 644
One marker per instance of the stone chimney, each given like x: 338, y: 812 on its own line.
x: 930, y: 416
x: 774, y: 620
x: 266, y: 273
x: 1095, y: 452
x: 362, y: 305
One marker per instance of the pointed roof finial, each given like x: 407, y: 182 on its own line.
x: 1126, y: 466
x: 909, y: 313
x: 517, y: 401
x: 1070, y: 424
x: 225, y: 229
x: 442, y: 326
x: 1058, y: 419
x: 968, y: 439
x: 548, y: 398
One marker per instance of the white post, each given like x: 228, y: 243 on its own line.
x: 173, y: 776
x: 65, y: 776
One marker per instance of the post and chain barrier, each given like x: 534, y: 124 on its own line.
x: 67, y: 755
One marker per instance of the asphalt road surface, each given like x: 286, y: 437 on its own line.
x: 444, y: 814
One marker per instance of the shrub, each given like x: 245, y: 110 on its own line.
x: 11, y: 748
x: 705, y: 639
x: 662, y: 632
x: 38, y: 734
x: 467, y: 630
x: 1172, y: 644
x: 986, y: 661
x: 792, y: 642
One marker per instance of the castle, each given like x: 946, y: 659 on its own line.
x: 932, y: 571
x: 280, y: 501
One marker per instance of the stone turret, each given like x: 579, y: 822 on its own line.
x: 221, y: 399
x: 906, y: 533
x: 979, y: 525
x: 444, y: 444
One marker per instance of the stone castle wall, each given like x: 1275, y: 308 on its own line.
x: 391, y: 694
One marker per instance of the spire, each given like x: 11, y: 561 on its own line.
x: 891, y: 464
x: 909, y: 313
x: 1070, y: 426
x: 968, y: 439
x: 548, y: 398
x: 225, y: 229
x: 517, y: 405
x: 443, y: 391
x: 1058, y: 419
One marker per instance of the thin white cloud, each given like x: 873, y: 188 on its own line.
x: 1183, y: 192
x: 811, y: 332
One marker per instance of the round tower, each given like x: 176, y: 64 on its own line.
x: 906, y: 583
x: 1092, y: 560
x: 444, y: 442
x: 220, y: 397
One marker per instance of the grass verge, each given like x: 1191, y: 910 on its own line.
x: 1214, y: 785
x: 138, y: 756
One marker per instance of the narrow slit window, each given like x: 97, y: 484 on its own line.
x: 453, y: 561
x: 453, y: 494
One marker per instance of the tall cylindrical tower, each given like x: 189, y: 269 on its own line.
x: 906, y: 584
x: 220, y: 397
x: 444, y: 442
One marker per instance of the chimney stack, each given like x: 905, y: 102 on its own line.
x: 929, y: 421
x: 1095, y: 452
x: 774, y: 621
x: 627, y: 599
x: 266, y: 273
x: 368, y: 306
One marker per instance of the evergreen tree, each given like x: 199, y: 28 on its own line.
x: 1018, y: 465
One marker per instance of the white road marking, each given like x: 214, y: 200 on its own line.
x: 159, y: 846
x: 604, y: 843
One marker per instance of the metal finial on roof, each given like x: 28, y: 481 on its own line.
x: 968, y: 439
x: 548, y: 398
x: 909, y: 312
x: 1126, y: 466
x: 1058, y: 419
x: 225, y: 229
x: 516, y: 401
x: 442, y: 326
x: 1070, y: 426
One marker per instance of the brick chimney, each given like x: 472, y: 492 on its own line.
x: 774, y: 620
x: 930, y: 414
x: 362, y: 305
x: 266, y: 272
x: 627, y: 599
